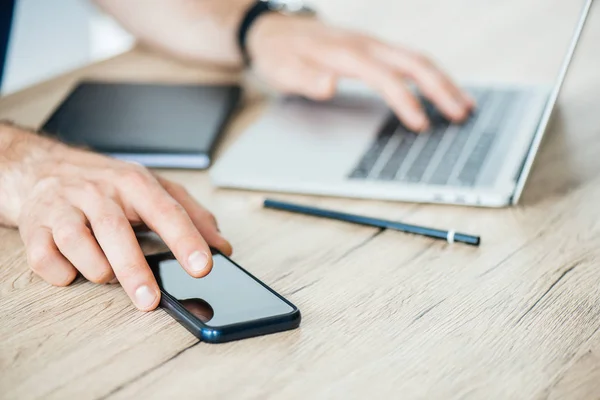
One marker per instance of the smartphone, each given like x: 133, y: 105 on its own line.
x: 227, y: 304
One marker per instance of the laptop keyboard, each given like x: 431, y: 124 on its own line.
x: 448, y: 154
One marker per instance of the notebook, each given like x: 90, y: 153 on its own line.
x: 156, y: 125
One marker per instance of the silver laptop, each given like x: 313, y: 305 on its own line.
x: 352, y: 146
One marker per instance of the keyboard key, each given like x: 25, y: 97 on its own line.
x: 446, y: 165
x: 416, y: 171
x: 364, y: 167
x: 472, y: 167
x: 389, y: 171
x: 435, y: 116
x: 405, y: 148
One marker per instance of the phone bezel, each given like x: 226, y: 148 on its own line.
x: 225, y: 333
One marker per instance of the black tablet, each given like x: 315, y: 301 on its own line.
x: 157, y: 125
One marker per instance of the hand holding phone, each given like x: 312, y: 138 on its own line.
x: 227, y: 304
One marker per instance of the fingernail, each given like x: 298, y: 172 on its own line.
x: 198, y: 261
x: 145, y: 297
x: 113, y: 281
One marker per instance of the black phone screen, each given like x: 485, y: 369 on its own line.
x: 227, y: 295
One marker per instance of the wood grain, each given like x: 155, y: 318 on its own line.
x: 385, y: 315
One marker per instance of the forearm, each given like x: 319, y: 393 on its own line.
x: 196, y: 30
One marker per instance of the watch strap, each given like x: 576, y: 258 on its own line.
x: 258, y: 8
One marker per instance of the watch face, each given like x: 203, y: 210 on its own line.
x: 291, y: 7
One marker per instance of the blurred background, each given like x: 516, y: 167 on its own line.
x: 67, y: 34
x: 438, y: 27
x: 435, y: 26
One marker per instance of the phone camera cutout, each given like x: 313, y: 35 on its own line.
x: 199, y: 308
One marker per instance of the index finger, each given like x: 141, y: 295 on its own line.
x: 122, y: 250
x: 166, y: 217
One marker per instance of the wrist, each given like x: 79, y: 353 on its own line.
x: 21, y: 154
x: 261, y: 31
x: 267, y: 20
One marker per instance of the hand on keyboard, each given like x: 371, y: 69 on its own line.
x: 305, y: 56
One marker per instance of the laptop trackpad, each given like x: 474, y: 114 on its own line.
x: 295, y: 138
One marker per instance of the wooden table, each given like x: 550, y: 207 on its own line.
x: 386, y: 315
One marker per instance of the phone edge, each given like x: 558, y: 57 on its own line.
x: 227, y: 333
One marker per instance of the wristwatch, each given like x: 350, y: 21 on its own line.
x: 262, y: 7
x: 291, y: 7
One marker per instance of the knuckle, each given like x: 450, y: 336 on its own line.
x: 91, y: 189
x: 425, y: 62
x: 359, y: 43
x: 347, y: 54
x: 438, y: 82
x: 111, y: 222
x: 47, y: 187
x: 169, y: 208
x: 40, y: 258
x: 100, y: 275
x: 175, y: 187
x: 48, y: 183
x: 208, y: 216
x: 69, y: 234
x: 419, y: 57
x: 129, y: 270
x: 136, y: 176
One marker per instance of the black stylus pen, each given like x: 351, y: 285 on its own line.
x: 449, y: 236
